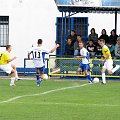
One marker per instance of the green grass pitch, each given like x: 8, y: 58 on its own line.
x: 59, y: 100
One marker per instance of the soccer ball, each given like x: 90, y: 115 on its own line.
x: 45, y: 76
x: 96, y: 80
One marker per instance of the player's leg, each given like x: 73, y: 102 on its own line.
x: 87, y: 72
x: 16, y: 73
x: 103, y: 75
x: 79, y: 71
x: 38, y: 76
x: 105, y: 66
x: 8, y: 69
x: 13, y: 73
x: 114, y: 69
x: 110, y: 68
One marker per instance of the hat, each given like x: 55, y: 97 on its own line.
x: 118, y: 38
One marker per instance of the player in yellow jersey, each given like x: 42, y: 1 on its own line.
x: 108, y: 62
x: 6, y: 66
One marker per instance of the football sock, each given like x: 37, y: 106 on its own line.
x: 103, y: 78
x: 37, y: 76
x: 115, y: 68
x: 12, y: 81
x: 38, y: 79
x: 89, y: 77
x: 38, y: 82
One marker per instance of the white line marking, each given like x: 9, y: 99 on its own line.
x: 44, y: 93
x: 68, y: 104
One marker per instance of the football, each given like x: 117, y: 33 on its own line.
x: 45, y: 76
x: 96, y: 80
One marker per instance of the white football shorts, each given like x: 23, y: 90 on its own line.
x: 7, y: 68
x: 108, y: 64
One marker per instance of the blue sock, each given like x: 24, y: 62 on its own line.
x: 89, y: 77
x: 38, y: 79
x: 37, y: 76
x: 38, y: 82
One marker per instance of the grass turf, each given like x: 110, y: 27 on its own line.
x: 90, y: 102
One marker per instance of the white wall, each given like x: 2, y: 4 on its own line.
x: 33, y: 19
x: 29, y: 20
x: 100, y: 21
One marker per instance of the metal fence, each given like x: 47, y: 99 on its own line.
x: 69, y: 67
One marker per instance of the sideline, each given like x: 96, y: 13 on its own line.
x: 43, y: 93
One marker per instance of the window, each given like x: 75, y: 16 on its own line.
x: 4, y: 31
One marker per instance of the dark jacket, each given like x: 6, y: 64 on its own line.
x: 105, y: 37
x: 69, y: 50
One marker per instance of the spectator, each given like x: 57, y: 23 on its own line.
x: 76, y: 45
x: 69, y: 49
x: 113, y: 37
x: 104, y: 36
x: 93, y: 36
x: 92, y: 49
x: 99, y: 49
x: 117, y: 48
x: 72, y: 36
x: 112, y: 49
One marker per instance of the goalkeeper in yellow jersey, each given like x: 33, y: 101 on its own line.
x: 5, y: 64
x: 108, y: 62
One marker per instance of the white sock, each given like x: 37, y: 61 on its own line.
x: 12, y: 81
x: 103, y: 78
x: 115, y: 68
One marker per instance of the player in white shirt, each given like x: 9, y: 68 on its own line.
x: 38, y: 56
x: 85, y: 65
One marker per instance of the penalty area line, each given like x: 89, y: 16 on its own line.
x: 44, y: 93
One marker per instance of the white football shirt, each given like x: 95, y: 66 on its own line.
x: 85, y: 53
x: 38, y: 55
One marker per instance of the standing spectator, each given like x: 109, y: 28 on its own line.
x: 104, y: 36
x: 76, y: 45
x: 113, y: 37
x: 72, y: 36
x: 92, y: 49
x: 117, y: 48
x: 69, y: 49
x: 93, y: 36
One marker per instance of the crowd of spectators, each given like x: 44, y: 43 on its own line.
x: 92, y: 45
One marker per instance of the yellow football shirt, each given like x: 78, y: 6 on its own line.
x: 106, y: 52
x: 4, y: 57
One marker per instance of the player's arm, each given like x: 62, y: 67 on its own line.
x: 28, y: 56
x: 107, y: 56
x: 55, y: 47
x: 81, y: 56
x: 10, y: 60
